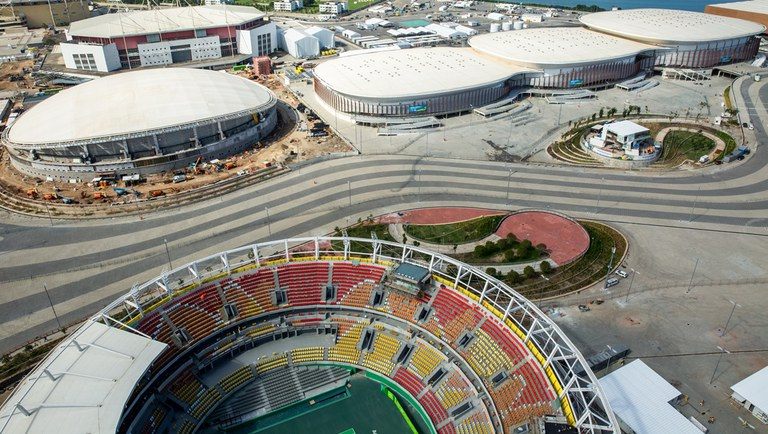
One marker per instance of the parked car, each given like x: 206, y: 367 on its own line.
x: 621, y: 273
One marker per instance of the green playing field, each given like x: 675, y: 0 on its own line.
x: 366, y: 410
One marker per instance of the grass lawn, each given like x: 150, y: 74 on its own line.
x: 588, y: 269
x: 454, y: 233
x: 364, y: 231
x: 686, y: 144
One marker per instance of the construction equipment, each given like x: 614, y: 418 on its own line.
x: 195, y: 169
x: 157, y: 193
x: 230, y: 165
x: 100, y: 195
x: 119, y: 191
x: 32, y: 192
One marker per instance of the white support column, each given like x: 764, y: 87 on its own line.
x: 256, y: 255
x: 225, y: 260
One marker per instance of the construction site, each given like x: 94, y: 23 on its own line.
x: 107, y: 192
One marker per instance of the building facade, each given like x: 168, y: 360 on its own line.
x: 191, y: 34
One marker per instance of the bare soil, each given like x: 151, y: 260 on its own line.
x: 285, y: 146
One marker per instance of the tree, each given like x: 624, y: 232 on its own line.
x: 481, y: 251
x: 529, y: 272
x: 513, y: 277
x: 594, y: 116
x: 545, y: 267
x: 491, y: 271
x: 509, y: 255
x: 601, y: 112
x: 612, y: 111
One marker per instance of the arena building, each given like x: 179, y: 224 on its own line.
x: 755, y: 11
x: 687, y: 39
x: 140, y: 122
x: 240, y: 336
x: 165, y: 36
x: 416, y: 81
x: 615, y: 46
x: 567, y: 56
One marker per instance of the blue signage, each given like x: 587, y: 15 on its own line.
x: 417, y: 108
x: 725, y: 59
x: 575, y: 83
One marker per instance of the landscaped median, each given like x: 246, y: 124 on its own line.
x: 493, y: 243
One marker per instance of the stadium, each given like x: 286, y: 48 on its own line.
x: 614, y: 46
x: 140, y: 122
x: 241, y: 337
x: 167, y: 36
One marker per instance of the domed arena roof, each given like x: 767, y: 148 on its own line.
x: 135, y: 102
x: 667, y: 26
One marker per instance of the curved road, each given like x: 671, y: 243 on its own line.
x: 84, y: 265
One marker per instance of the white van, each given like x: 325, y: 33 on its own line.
x: 621, y: 273
x: 611, y: 282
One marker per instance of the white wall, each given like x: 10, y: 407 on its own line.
x: 104, y: 57
x: 325, y: 36
x: 247, y: 40
x: 159, y: 53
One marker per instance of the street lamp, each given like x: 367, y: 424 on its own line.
x: 693, y: 208
x: 632, y: 279
x: 418, y: 188
x: 610, y: 265
x: 45, y: 288
x: 269, y: 225
x: 168, y: 252
x: 725, y: 329
x: 722, y: 351
x: 690, y: 284
x: 599, y: 195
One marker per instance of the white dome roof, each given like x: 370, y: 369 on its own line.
x: 667, y: 26
x: 138, y: 101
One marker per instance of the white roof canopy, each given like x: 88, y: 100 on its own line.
x: 626, y: 128
x: 163, y: 20
x: 83, y: 384
x: 640, y: 397
x: 753, y: 389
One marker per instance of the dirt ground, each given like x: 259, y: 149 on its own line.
x: 17, y: 69
x: 286, y: 145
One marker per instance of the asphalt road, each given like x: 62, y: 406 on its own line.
x: 85, y: 264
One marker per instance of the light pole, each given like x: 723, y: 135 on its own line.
x: 269, y: 225
x: 168, y: 252
x: 725, y: 329
x: 690, y: 284
x: 610, y: 264
x: 418, y: 188
x: 45, y: 288
x: 49, y: 212
x: 722, y: 351
x: 693, y: 208
x: 509, y: 181
x: 632, y: 279
x: 599, y: 195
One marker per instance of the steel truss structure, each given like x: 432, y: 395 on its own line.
x: 583, y: 401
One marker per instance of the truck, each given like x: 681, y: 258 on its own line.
x: 738, y: 154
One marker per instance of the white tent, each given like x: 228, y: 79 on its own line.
x: 324, y: 36
x: 301, y: 45
x: 752, y: 394
x: 641, y: 398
